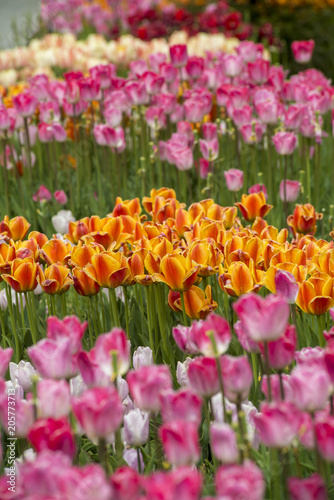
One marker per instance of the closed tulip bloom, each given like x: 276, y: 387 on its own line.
x: 25, y: 104
x: 223, y: 443
x: 112, y: 352
x: 16, y: 228
x: 238, y: 377
x: 212, y: 336
x: 107, y: 271
x: 258, y: 71
x: 146, y: 384
x: 291, y: 191
x: 286, y: 286
x: 125, y: 483
x: 55, y: 280
x: 99, y: 412
x: 203, y: 376
x: 53, y: 358
x: 4, y: 118
x: 264, y: 319
x: 176, y: 273
x: 324, y: 430
x: 253, y: 205
x: 232, y: 65
x: 302, y: 50
x: 60, y: 197
x: 277, y: 424
x: 281, y: 351
x: 183, y: 338
x: 234, y: 179
x: 304, y: 219
x: 68, y: 328
x: 311, y: 387
x: 316, y: 295
x: 53, y: 398
x: 183, y: 404
x: 178, y: 55
x: 52, y: 434
x: 142, y: 356
x: 22, y: 374
x: 23, y: 277
x: 83, y: 284
x: 136, y: 427
x: 180, y: 442
x: 42, y: 194
x: 240, y: 482
x: 309, y: 488
x: 244, y: 338
x: 285, y: 142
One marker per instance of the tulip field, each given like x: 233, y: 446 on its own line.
x: 166, y: 256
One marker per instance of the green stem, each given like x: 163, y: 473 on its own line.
x: 185, y: 318
x: 127, y: 310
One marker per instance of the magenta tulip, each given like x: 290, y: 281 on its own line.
x: 180, y: 442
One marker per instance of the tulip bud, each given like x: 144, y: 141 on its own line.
x: 224, y: 443
x: 180, y: 442
x: 136, y: 427
x: 286, y: 286
x: 234, y: 179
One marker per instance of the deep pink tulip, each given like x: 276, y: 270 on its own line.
x: 302, y: 50
x: 310, y: 488
x: 239, y: 96
x: 183, y: 338
x: 89, y: 89
x: 276, y: 77
x: 195, y: 67
x: 223, y: 443
x: 42, y: 194
x: 285, y: 142
x: 240, y: 482
x: 53, y: 398
x: 183, y: 404
x: 153, y: 82
x: 232, y: 65
x: 238, y: 377
x: 52, y: 434
x: 112, y: 352
x: 180, y: 442
x: 99, y: 412
x: 286, y: 286
x: 25, y: 104
x: 146, y: 384
x: 311, y: 387
x: 169, y: 72
x: 90, y: 370
x: 68, y: 328
x: 281, y: 351
x: 178, y: 55
x: 5, y: 357
x: 53, y: 358
x: 155, y: 117
x: 291, y: 191
x: 209, y: 131
x: 234, y: 179
x: 4, y: 118
x: 212, y: 336
x: 277, y: 424
x: 48, y: 132
x: 258, y: 71
x: 324, y: 429
x: 195, y: 110
x: 264, y: 319
x: 125, y: 484
x: 104, y: 72
x: 257, y: 188
x: 60, y: 197
x: 166, y: 100
x: 203, y: 376
x: 204, y: 168
x: 137, y: 93
x: 329, y: 360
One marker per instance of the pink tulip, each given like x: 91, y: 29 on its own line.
x: 136, y: 427
x: 264, y: 319
x: 156, y: 59
x: 146, y: 384
x: 153, y: 82
x: 74, y: 109
x: 104, y: 73
x: 195, y: 67
x: 53, y: 358
x: 5, y: 357
x: 232, y: 65
x: 268, y: 111
x: 203, y: 376
x: 240, y: 115
x: 89, y: 89
x: 310, y: 488
x: 42, y: 194
x: 24, y: 411
x: 179, y: 155
x: 209, y: 131
x: 52, y: 434
x: 224, y: 443
x: 286, y: 286
x: 303, y: 50
x: 195, y: 110
x: 239, y: 96
x: 183, y: 404
x: 112, y: 352
x: 234, y: 179
x: 240, y: 482
x: 48, y: 111
x: 277, y: 424
x: 238, y: 377
x: 136, y: 91
x: 245, y: 340
x: 258, y: 71
x: 155, y: 117
x: 183, y: 338
x: 329, y: 359
x: 125, y: 484
x: 209, y: 149
x: 311, y: 387
x: 252, y: 133
x: 204, y: 168
x: 25, y: 104
x: 285, y: 142
x: 276, y: 77
x: 212, y: 336
x: 178, y: 55
x: 281, y: 351
x: 294, y: 116
x: 4, y: 118
x: 169, y: 72
x: 306, y: 434
x: 68, y: 328
x: 311, y: 356
x: 99, y: 412
x: 90, y: 370
x: 60, y: 197
x: 248, y: 50
x: 324, y: 430
x: 257, y: 188
x: 276, y: 390
x: 291, y: 191
x: 180, y: 442
x: 112, y: 115
x: 53, y: 398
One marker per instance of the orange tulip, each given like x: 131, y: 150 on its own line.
x: 109, y: 270
x: 76, y: 230
x: 197, y: 303
x: 55, y: 280
x: 28, y: 248
x: 83, y: 284
x: 316, y: 294
x: 23, y: 277
x: 82, y: 254
x: 177, y: 273
x: 7, y: 255
x: 56, y: 251
x: 240, y: 279
x: 15, y: 229
x: 253, y: 205
x: 165, y: 193
x: 127, y: 207
x: 40, y: 238
x: 304, y: 219
x: 206, y: 255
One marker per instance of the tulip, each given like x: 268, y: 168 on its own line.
x: 240, y: 279
x: 232, y: 65
x: 25, y: 104
x: 285, y: 142
x: 303, y: 50
x: 310, y: 488
x: 55, y: 280
x: 209, y: 149
x: 175, y: 272
x: 316, y: 295
x: 61, y: 220
x: 183, y: 338
x: 146, y: 384
x: 112, y: 352
x: 125, y: 483
x: 99, y: 412
x: 180, y: 442
x: 142, y: 356
x: 178, y: 55
x: 42, y: 194
x: 23, y: 277
x: 277, y: 424
x: 244, y: 338
x: 240, y: 482
x: 203, y: 376
x: 258, y: 71
x: 237, y: 376
x: 286, y: 286
x: 52, y: 434
x: 264, y: 319
x: 281, y: 351
x: 83, y: 284
x: 224, y: 443
x: 53, y: 398
x: 253, y: 205
x: 68, y: 328
x: 90, y: 371
x: 324, y: 430
x: 280, y: 388
x: 5, y: 357
x: 60, y: 197
x: 304, y: 219
x: 109, y: 271
x: 53, y: 358
x: 4, y: 118
x: 104, y: 73
x: 252, y: 132
x: 212, y: 336
x: 183, y: 404
x: 195, y: 67
x: 22, y: 374
x: 311, y: 387
x: 234, y: 179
